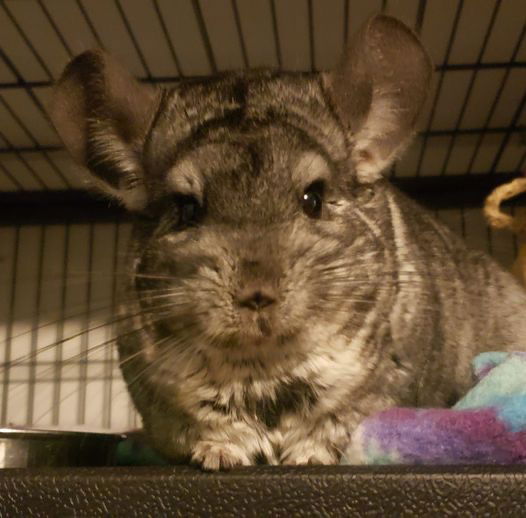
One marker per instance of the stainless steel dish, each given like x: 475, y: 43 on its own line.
x: 25, y: 448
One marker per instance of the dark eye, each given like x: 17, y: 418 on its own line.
x: 312, y: 200
x: 189, y: 211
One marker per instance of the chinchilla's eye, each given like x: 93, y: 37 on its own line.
x: 189, y: 210
x: 312, y: 200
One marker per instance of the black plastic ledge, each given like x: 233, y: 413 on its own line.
x: 265, y: 491
x: 74, y: 206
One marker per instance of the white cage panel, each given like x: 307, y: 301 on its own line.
x: 59, y: 368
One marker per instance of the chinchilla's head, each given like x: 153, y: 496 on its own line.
x: 255, y: 193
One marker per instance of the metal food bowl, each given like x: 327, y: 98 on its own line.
x: 28, y: 448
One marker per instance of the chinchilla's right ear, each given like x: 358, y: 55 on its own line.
x: 102, y: 115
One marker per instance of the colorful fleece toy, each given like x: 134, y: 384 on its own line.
x: 487, y: 426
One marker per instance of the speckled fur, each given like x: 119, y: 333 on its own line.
x: 377, y: 304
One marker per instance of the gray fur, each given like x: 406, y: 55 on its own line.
x: 372, y: 304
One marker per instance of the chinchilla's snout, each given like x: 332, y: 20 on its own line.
x: 258, y: 290
x: 256, y: 296
x: 259, y: 274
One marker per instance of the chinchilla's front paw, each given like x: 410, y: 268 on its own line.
x: 307, y: 452
x: 214, y: 456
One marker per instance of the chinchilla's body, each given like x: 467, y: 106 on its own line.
x: 278, y: 288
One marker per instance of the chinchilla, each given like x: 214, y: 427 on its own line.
x: 278, y: 288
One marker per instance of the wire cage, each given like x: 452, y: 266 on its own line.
x: 61, y: 249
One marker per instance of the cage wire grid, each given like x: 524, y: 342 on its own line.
x: 59, y: 279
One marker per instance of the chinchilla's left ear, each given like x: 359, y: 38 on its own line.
x: 102, y: 115
x: 378, y: 90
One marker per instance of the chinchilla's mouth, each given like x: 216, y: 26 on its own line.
x: 260, y: 326
x: 264, y: 325
x: 261, y: 329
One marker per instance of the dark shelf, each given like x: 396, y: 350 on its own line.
x: 332, y: 491
x: 75, y: 206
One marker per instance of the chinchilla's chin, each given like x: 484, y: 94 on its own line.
x: 240, y: 332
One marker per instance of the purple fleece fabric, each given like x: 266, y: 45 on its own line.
x: 487, y: 426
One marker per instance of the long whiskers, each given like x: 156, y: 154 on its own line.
x: 84, y: 354
x: 84, y: 332
x: 81, y: 356
x: 93, y: 310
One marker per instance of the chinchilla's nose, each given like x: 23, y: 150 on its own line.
x: 258, y: 280
x: 256, y: 297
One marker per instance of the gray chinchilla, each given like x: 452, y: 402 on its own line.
x: 279, y: 289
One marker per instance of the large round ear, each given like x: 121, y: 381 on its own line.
x: 102, y: 115
x: 378, y: 90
